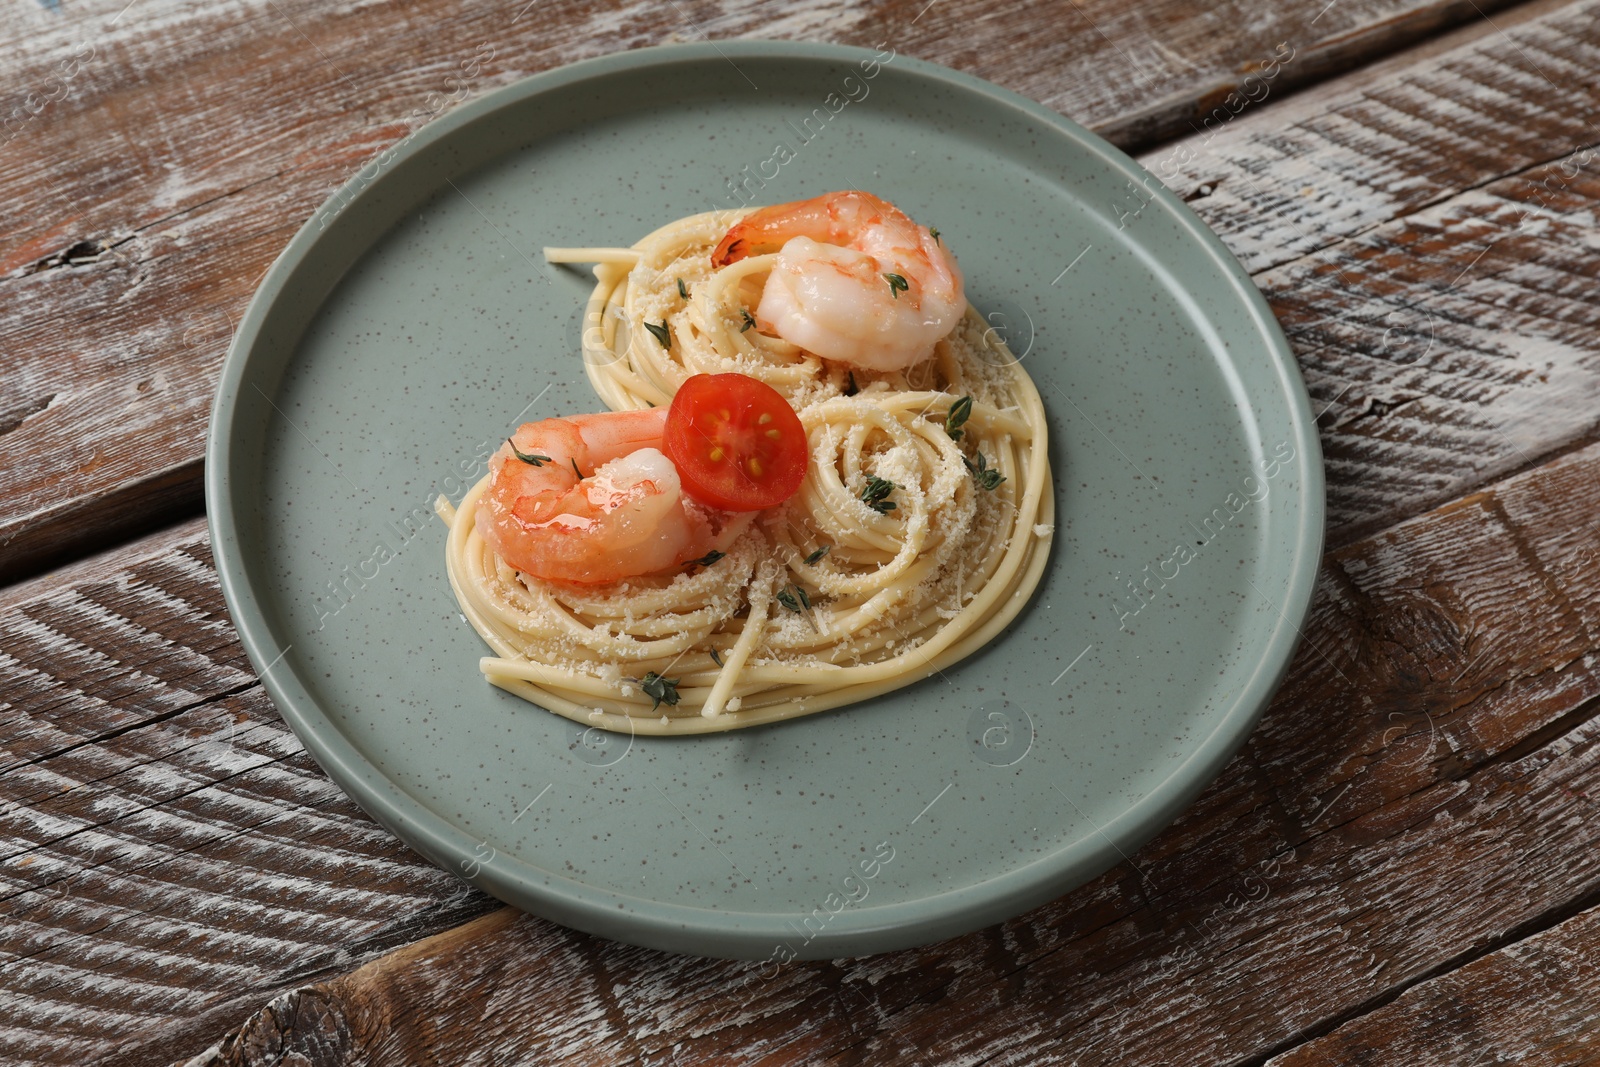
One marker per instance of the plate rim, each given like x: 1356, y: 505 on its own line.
x: 679, y: 927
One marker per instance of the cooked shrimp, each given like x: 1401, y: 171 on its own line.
x: 626, y: 516
x: 855, y: 279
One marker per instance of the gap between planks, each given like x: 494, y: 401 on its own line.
x: 1517, y: 932
x: 1350, y: 33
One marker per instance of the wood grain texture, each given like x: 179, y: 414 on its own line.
x: 171, y: 857
x: 1427, y: 243
x: 1454, y: 345
x: 100, y: 564
x: 1535, y: 1003
x: 157, y: 161
x: 1418, y: 795
x: 1280, y: 183
x: 371, y: 1016
x: 165, y: 842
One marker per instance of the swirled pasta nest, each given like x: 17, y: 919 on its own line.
x: 828, y: 599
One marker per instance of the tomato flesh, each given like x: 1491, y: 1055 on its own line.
x: 736, y: 442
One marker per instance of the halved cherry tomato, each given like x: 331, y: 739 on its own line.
x: 736, y: 442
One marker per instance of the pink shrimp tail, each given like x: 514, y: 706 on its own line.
x: 829, y: 219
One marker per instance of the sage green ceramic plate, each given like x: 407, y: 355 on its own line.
x: 412, y: 323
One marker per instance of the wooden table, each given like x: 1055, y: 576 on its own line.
x: 1401, y: 866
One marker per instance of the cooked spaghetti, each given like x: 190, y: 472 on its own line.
x: 920, y: 530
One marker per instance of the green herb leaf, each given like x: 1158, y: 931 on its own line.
x: 536, y: 460
x: 873, y: 494
x: 575, y: 469
x: 935, y: 235
x: 716, y: 656
x: 749, y: 319
x: 897, y: 285
x: 706, y: 560
x: 660, y: 690
x: 812, y: 559
x: 681, y: 290
x: 794, y: 598
x: 661, y: 333
x: 851, y: 389
x: 985, y: 475
x: 957, y: 417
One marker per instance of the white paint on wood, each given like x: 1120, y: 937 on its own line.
x: 193, y: 175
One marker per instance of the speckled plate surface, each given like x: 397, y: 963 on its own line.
x: 413, y: 322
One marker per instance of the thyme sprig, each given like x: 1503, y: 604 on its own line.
x: 660, y: 690
x: 662, y: 333
x: 787, y: 597
x: 957, y: 417
x: 749, y: 319
x: 817, y: 555
x: 897, y: 285
x: 985, y: 475
x: 875, y: 494
x: 533, y: 458
x: 795, y: 598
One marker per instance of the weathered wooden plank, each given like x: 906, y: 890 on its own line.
x: 1141, y: 991
x: 367, y: 1017
x: 166, y: 845
x: 1445, y: 322
x: 1443, y: 716
x: 1235, y: 828
x: 1279, y: 183
x: 1534, y: 1003
x: 139, y: 211
x: 100, y: 564
x: 1454, y: 345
